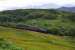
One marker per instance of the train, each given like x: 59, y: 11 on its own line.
x: 27, y: 27
x: 31, y: 28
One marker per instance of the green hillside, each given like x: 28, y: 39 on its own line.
x: 29, y: 40
x: 54, y: 21
x: 21, y: 30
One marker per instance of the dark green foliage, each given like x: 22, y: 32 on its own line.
x: 54, y: 21
x: 5, y: 45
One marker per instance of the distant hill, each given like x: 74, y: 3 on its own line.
x: 69, y: 9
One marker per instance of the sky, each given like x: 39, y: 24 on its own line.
x: 13, y: 4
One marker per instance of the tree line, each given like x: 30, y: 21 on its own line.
x: 55, y: 21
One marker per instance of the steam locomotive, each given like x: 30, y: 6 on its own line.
x: 31, y: 28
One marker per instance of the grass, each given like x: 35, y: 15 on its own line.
x: 30, y: 40
x: 6, y: 45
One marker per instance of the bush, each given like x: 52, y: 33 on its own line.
x: 5, y: 45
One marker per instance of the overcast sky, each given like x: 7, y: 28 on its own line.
x: 12, y: 4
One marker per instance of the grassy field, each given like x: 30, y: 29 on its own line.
x: 29, y: 40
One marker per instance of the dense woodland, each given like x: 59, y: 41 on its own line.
x: 54, y: 21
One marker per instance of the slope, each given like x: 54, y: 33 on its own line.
x: 30, y: 40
